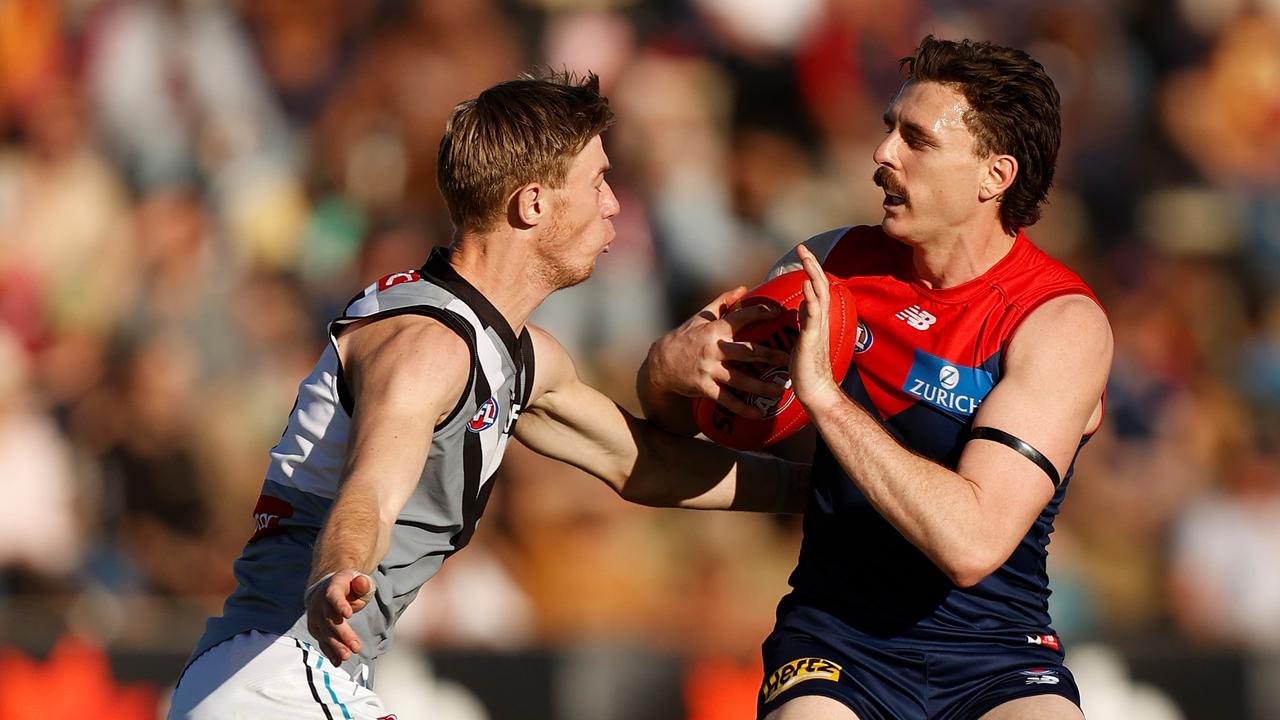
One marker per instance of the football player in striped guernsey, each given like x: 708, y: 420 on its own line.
x: 387, y: 461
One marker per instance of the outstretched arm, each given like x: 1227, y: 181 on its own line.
x: 968, y: 521
x: 405, y: 373
x: 570, y: 421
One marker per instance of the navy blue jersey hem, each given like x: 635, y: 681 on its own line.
x: 811, y: 652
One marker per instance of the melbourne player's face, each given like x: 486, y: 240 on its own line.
x: 582, y: 226
x: 927, y: 166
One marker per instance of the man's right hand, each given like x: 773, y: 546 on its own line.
x: 331, y: 605
x: 694, y: 360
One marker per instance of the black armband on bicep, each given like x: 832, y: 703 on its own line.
x: 1021, y: 446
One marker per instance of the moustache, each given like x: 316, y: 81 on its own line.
x: 884, y: 180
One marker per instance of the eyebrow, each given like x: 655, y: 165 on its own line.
x: 911, y: 127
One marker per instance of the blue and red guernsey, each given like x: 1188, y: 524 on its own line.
x: 924, y: 362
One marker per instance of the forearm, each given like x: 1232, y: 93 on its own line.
x: 937, y: 510
x: 675, y: 471
x: 669, y: 410
x: 354, y: 536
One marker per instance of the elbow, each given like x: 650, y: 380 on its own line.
x: 968, y: 569
x: 967, y: 578
x: 636, y: 490
x: 639, y: 493
x: 643, y: 484
x: 643, y: 481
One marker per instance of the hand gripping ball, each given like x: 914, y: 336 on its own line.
x: 784, y: 416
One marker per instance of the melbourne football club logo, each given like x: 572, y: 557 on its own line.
x: 865, y: 338
x: 772, y: 406
x: 485, y: 417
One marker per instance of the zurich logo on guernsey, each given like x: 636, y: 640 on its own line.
x: 485, y: 417
x: 950, y: 387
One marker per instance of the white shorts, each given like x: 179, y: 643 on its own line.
x: 262, y: 675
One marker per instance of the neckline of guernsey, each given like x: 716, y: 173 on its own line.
x: 438, y: 271
x: 966, y: 290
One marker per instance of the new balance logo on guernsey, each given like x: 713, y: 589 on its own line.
x: 917, y: 318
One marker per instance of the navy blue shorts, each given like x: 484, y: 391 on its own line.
x: 883, y: 679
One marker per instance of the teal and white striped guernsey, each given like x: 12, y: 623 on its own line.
x: 441, y: 514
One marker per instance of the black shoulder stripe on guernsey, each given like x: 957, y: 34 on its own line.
x: 438, y: 271
x: 449, y: 319
x: 527, y: 375
x: 1024, y: 448
x: 472, y: 469
x: 311, y: 679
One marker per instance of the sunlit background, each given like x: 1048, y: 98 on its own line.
x: 189, y: 190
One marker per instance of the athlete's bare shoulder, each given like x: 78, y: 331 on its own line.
x: 1077, y: 320
x: 409, y: 355
x: 553, y: 368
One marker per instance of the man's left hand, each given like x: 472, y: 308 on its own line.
x: 811, y: 376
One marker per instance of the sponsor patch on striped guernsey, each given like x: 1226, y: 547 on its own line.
x: 798, y: 671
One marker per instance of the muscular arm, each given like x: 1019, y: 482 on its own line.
x: 405, y: 373
x: 969, y: 521
x: 569, y: 421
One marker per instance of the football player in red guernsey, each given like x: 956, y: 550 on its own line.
x: 943, y: 457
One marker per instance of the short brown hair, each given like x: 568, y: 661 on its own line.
x: 516, y: 132
x: 1014, y: 110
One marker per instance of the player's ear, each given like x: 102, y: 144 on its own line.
x: 1000, y: 172
x: 528, y: 205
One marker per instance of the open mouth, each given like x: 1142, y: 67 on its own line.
x: 892, y: 200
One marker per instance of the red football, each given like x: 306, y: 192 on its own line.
x: 784, y: 416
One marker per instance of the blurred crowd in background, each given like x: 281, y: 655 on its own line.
x: 190, y: 189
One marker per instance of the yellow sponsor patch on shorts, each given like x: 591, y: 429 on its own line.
x: 797, y: 671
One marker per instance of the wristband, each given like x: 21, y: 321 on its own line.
x: 315, y: 586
